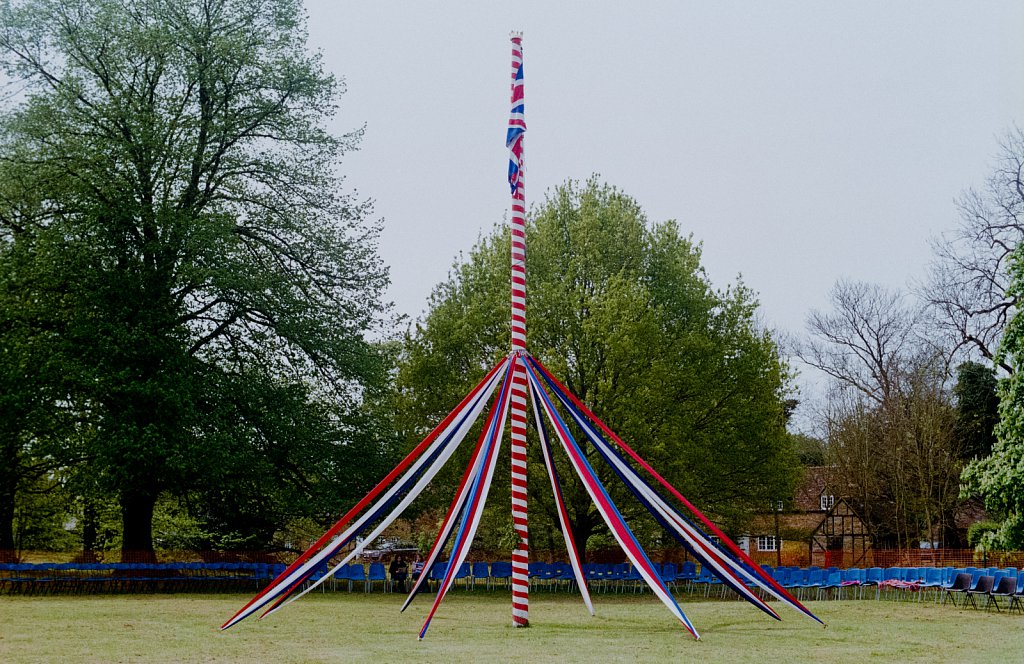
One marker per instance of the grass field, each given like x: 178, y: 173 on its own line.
x: 474, y: 626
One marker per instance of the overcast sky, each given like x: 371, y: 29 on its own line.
x: 799, y: 142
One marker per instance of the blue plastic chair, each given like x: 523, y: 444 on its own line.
x: 815, y: 578
x: 535, y: 569
x: 704, y: 578
x: 933, y: 580
x: 951, y: 573
x: 632, y: 578
x: 501, y: 570
x: 687, y: 572
x: 832, y: 581
x: 566, y: 577
x: 464, y: 572
x: 437, y: 571
x: 481, y: 573
x: 616, y: 576
x: 356, y: 574
x: 795, y: 577
x: 668, y: 574
x: 377, y: 573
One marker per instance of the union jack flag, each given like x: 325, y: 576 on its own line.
x: 516, y: 125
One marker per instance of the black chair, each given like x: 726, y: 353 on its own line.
x: 961, y: 584
x: 1006, y: 588
x: 1017, y: 601
x: 984, y: 587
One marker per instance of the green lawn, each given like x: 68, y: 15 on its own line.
x: 474, y: 626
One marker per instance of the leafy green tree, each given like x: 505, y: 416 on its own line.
x: 211, y: 284
x: 33, y: 434
x: 622, y: 311
x: 810, y: 451
x: 999, y: 477
x: 977, y: 406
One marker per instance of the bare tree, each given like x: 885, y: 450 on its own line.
x: 966, y: 289
x: 889, y: 418
x: 863, y: 341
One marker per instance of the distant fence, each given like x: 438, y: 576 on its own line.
x: 894, y: 558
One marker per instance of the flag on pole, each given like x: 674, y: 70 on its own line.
x: 516, y: 124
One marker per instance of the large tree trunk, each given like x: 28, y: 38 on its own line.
x: 582, y: 527
x: 89, y: 531
x: 137, y: 527
x: 7, y: 552
x: 8, y: 490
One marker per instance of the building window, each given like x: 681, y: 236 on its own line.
x: 767, y: 543
x: 827, y: 501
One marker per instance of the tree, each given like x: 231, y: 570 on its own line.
x: 968, y: 287
x: 977, y: 406
x: 889, y: 421
x: 864, y: 341
x: 623, y: 312
x: 999, y: 477
x: 212, y: 285
x: 33, y: 434
x: 810, y: 451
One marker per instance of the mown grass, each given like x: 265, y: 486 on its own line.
x: 474, y: 626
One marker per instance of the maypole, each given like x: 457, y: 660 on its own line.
x: 517, y: 181
x: 521, y: 377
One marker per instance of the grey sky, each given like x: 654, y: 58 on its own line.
x: 800, y: 142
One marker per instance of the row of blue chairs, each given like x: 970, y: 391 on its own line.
x: 805, y: 583
x: 916, y: 583
x: 550, y: 576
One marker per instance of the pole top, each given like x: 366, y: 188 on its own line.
x: 516, y: 35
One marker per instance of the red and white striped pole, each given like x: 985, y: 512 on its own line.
x: 521, y: 554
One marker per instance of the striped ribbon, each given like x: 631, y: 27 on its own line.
x: 563, y: 515
x: 616, y: 524
x: 475, y: 500
x: 707, y: 553
x: 434, y: 451
x: 763, y: 579
x: 455, y: 510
